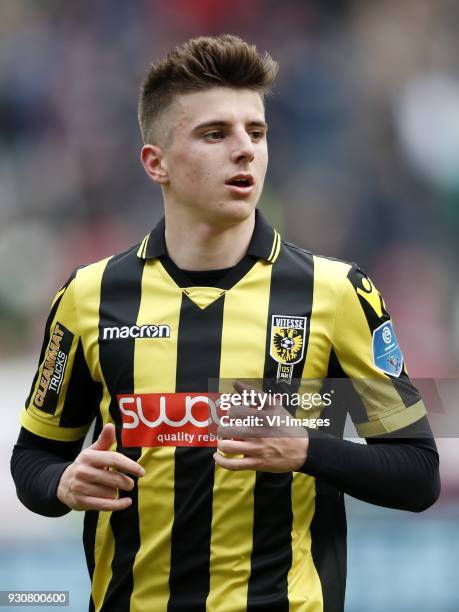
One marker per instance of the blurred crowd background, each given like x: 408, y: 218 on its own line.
x: 364, y: 166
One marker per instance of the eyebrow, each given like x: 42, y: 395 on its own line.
x: 220, y: 123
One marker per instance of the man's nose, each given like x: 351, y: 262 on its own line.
x: 243, y: 148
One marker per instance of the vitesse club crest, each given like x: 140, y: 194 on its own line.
x: 287, y: 344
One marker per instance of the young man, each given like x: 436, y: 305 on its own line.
x: 214, y: 293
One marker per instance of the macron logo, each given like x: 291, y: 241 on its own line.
x: 136, y: 331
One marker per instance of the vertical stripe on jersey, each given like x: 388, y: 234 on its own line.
x: 119, y: 305
x: 291, y: 294
x: 243, y: 356
x: 304, y: 588
x: 199, y: 334
x: 103, y: 544
x: 328, y: 536
x: 327, y: 528
x: 90, y: 529
x: 97, y: 536
x: 155, y: 372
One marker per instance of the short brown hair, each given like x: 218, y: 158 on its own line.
x: 200, y: 64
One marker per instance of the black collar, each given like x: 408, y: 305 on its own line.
x: 264, y: 244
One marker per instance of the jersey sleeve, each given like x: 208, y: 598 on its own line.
x: 63, y: 398
x: 368, y: 352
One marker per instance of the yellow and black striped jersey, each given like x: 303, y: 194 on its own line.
x: 198, y: 537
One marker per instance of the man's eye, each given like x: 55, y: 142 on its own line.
x: 256, y: 135
x: 214, y: 135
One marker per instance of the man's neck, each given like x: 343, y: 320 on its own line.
x: 200, y: 246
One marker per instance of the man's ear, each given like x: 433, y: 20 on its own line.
x: 152, y: 158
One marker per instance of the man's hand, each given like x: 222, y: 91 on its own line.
x: 89, y: 484
x: 263, y: 454
x: 261, y: 447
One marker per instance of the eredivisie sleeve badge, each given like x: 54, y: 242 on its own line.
x: 287, y: 344
x: 387, y: 355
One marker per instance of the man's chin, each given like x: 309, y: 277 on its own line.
x: 234, y: 211
x: 223, y: 213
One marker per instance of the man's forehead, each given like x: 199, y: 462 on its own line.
x: 220, y: 104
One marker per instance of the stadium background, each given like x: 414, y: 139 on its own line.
x: 364, y: 165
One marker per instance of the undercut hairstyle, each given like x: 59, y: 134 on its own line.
x: 201, y: 64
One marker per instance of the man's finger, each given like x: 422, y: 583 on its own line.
x: 107, y: 478
x: 118, y: 461
x: 99, y: 503
x: 228, y: 432
x: 235, y: 447
x: 87, y: 489
x: 106, y: 438
x: 231, y: 448
x: 236, y: 464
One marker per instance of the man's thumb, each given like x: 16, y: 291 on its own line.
x: 106, y: 438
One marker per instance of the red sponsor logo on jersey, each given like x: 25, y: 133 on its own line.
x: 169, y: 419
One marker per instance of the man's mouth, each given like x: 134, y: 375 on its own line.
x: 240, y: 183
x: 243, y: 179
